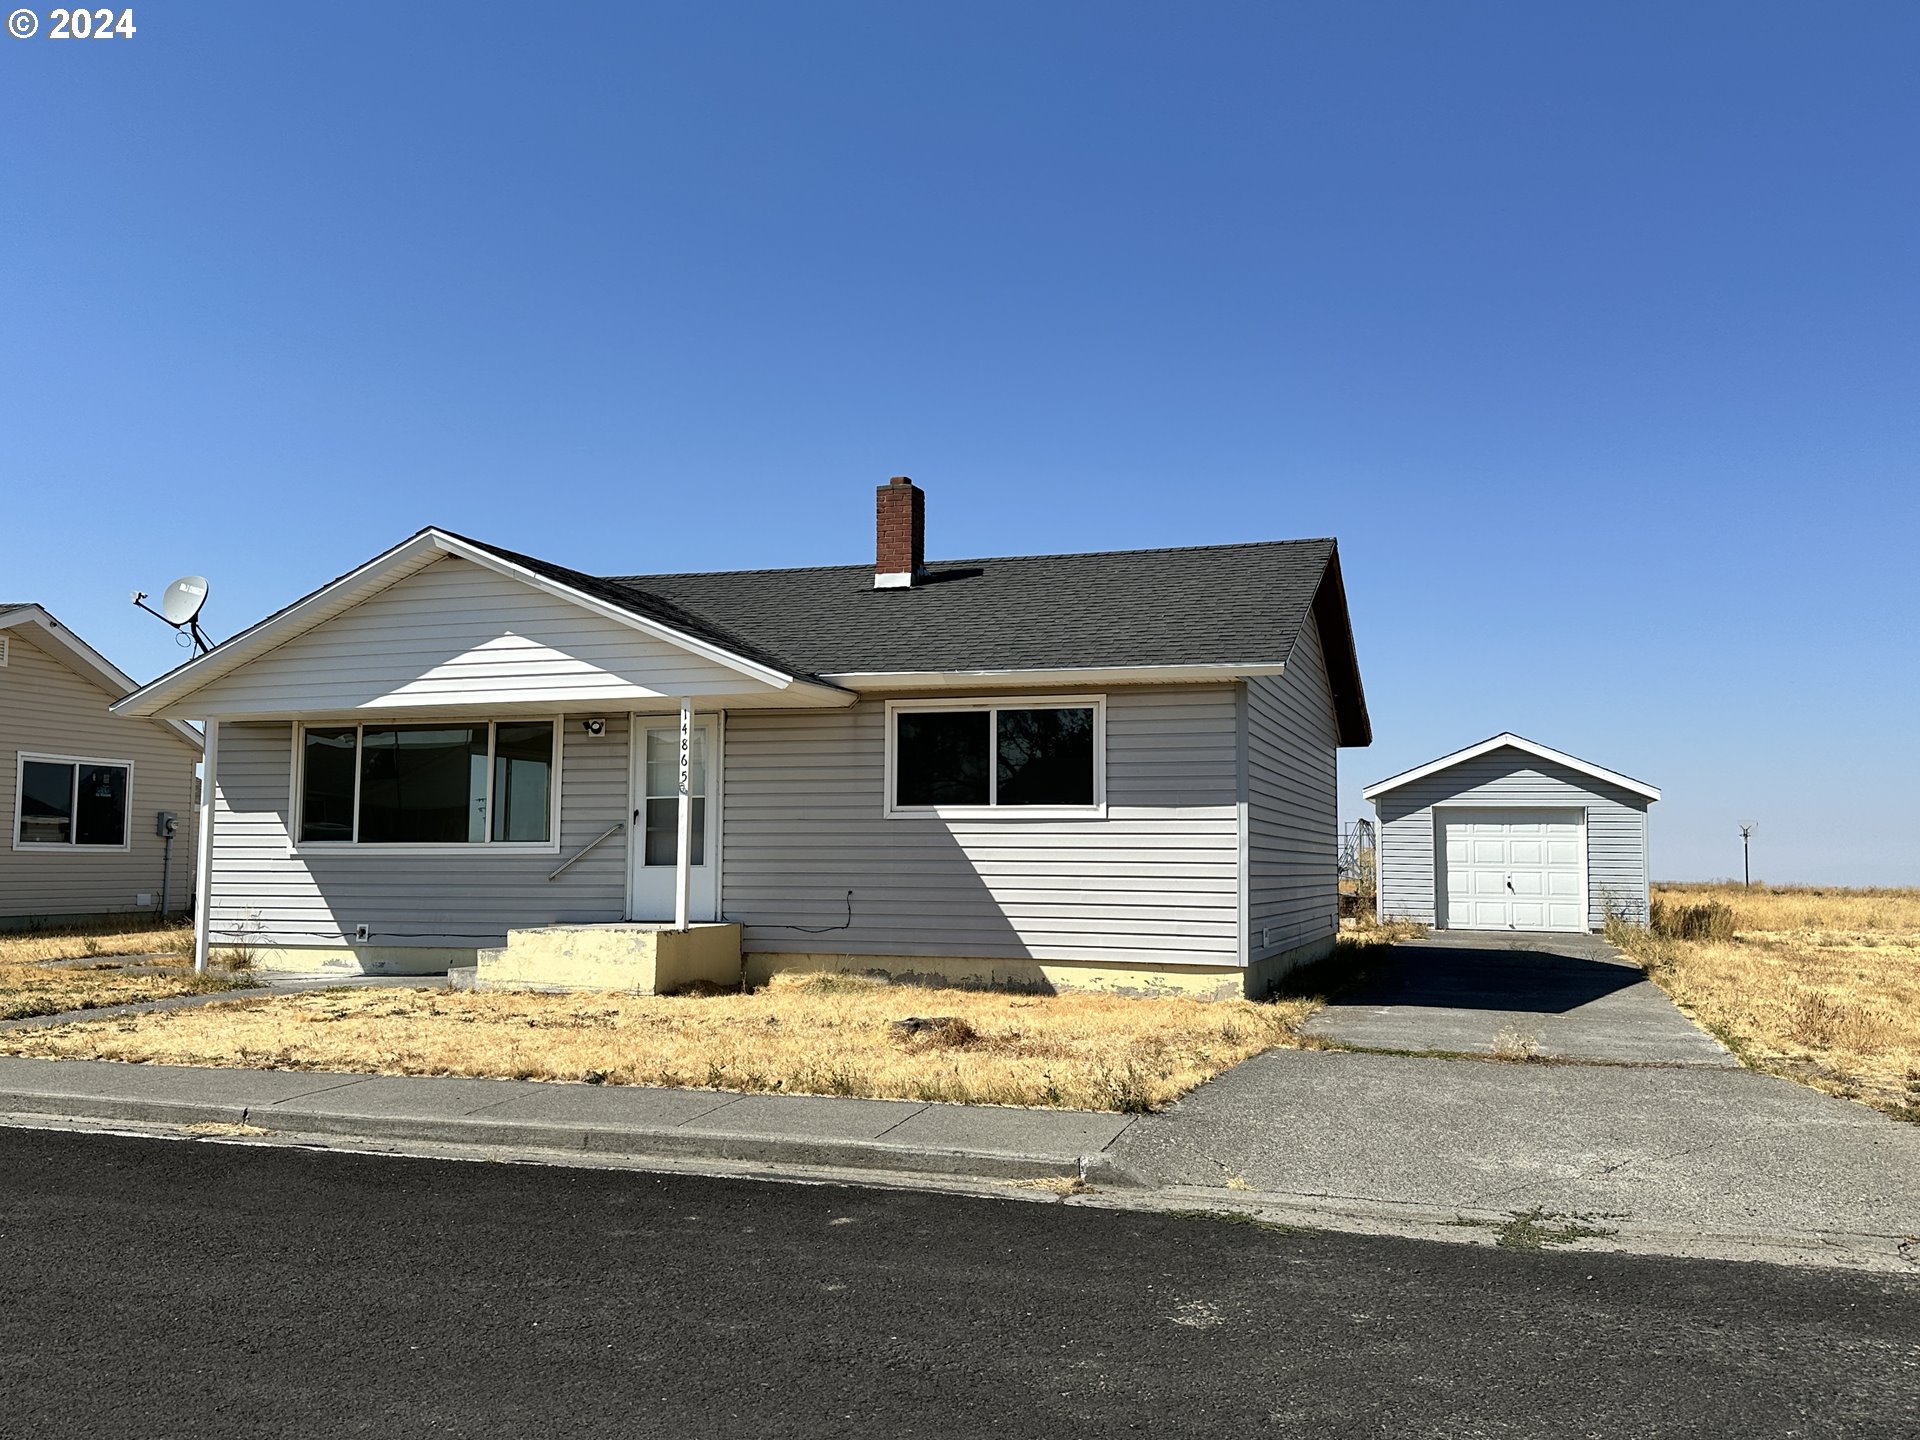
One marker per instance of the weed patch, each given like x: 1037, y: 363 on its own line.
x: 1240, y: 1217
x: 1538, y: 1229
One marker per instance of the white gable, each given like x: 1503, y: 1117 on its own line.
x: 458, y: 633
x: 1509, y: 741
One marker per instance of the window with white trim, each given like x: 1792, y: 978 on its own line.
x: 68, y: 803
x: 1013, y: 755
x: 430, y: 783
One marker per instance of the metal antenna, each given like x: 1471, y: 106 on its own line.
x: 1746, y: 852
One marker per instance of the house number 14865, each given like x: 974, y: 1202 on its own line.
x: 90, y: 25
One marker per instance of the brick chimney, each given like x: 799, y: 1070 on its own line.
x: 900, y: 534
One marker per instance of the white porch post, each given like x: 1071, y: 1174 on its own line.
x: 683, y: 863
x: 203, y: 859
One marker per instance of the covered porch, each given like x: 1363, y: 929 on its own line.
x: 450, y: 745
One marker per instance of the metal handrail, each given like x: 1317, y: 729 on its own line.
x: 581, y: 854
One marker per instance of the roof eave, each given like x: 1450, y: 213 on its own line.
x: 872, y: 681
x: 1353, y: 725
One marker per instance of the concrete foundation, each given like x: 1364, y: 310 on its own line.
x: 351, y: 959
x: 651, y: 959
x: 1049, y: 977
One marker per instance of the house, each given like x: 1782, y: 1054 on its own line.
x: 1511, y: 835
x: 1104, y: 771
x: 85, y: 789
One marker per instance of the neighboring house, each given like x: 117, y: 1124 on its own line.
x: 1098, y: 771
x: 81, y: 787
x: 1510, y: 835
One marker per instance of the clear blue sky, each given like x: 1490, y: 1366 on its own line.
x: 1590, y: 332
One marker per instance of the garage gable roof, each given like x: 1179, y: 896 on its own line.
x: 1508, y: 740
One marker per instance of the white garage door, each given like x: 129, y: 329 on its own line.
x: 1513, y: 869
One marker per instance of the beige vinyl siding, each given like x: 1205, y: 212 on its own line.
x: 456, y: 633
x: 1616, y: 829
x: 47, y: 708
x: 1293, y: 839
x: 1155, y: 880
x: 265, y: 895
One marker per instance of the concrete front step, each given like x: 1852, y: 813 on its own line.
x: 638, y: 958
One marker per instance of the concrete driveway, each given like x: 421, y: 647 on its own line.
x: 1569, y: 997
x: 1644, y: 1121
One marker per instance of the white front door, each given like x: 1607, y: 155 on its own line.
x: 1513, y: 869
x: 654, y: 842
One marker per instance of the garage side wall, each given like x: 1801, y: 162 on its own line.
x: 1616, y: 830
x: 1293, y: 824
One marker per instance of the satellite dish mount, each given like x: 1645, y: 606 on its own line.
x: 180, y: 607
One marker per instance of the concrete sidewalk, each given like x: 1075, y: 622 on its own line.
x: 900, y: 1136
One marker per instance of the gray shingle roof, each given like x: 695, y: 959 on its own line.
x: 1222, y: 606
x: 1196, y: 605
x: 1204, y: 605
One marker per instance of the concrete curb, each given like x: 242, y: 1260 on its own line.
x: 978, y: 1171
x: 1834, y: 1249
x: 628, y: 1141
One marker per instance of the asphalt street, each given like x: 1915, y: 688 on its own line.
x: 164, y: 1288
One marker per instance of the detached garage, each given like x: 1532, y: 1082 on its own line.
x: 1510, y: 835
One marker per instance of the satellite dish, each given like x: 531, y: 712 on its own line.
x: 180, y: 608
x: 181, y: 602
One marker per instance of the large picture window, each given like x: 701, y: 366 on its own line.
x: 437, y: 783
x: 69, y: 803
x: 1010, y: 755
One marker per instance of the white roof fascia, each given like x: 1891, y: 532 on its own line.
x: 403, y: 559
x: 1517, y: 742
x: 110, y: 675
x: 1065, y: 675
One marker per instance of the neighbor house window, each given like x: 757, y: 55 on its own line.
x: 66, y: 803
x: 1008, y: 755
x: 428, y: 784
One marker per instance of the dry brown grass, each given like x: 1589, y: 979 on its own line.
x: 30, y: 986
x: 818, y: 1035
x: 1819, y: 984
x: 78, y: 942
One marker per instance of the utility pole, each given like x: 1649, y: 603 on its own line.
x: 1746, y: 852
